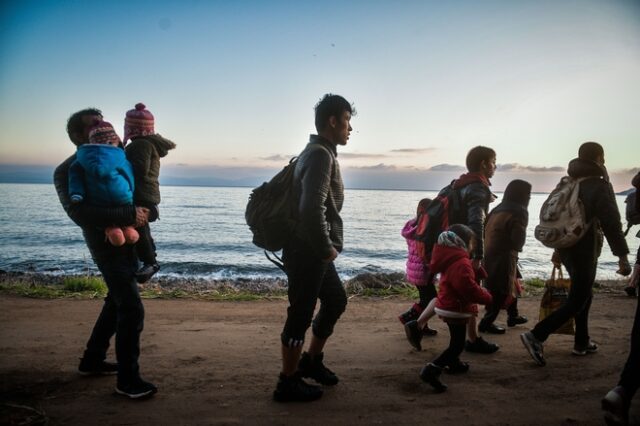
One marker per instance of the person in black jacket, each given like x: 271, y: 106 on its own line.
x: 617, y: 401
x: 308, y: 257
x: 581, y: 259
x: 122, y: 312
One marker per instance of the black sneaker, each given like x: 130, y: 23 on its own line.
x: 147, y: 271
x: 410, y: 315
x: 137, y: 390
x: 431, y: 374
x: 616, y: 407
x: 534, y: 347
x: 89, y: 367
x: 313, y: 368
x: 590, y: 348
x: 491, y: 329
x: 513, y: 321
x: 414, y: 334
x: 294, y: 389
x: 457, y: 367
x: 428, y: 331
x: 481, y: 346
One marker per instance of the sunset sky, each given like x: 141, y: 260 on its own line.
x: 234, y: 83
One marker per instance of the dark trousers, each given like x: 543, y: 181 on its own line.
x: 146, y: 247
x: 122, y: 312
x: 493, y: 309
x: 426, y: 293
x: 630, y: 377
x: 310, y: 279
x: 580, y: 262
x: 451, y: 355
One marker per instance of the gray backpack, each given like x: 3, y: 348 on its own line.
x: 562, y: 218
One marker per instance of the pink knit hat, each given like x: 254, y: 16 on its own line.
x: 102, y: 133
x: 138, y: 122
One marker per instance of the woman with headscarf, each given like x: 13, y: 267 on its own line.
x: 505, y: 233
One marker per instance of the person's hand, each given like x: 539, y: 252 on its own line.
x: 635, y: 276
x: 142, y: 216
x: 624, y: 268
x: 476, y: 263
x: 332, y: 256
x: 555, y: 259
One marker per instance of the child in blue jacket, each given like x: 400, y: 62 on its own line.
x: 102, y: 176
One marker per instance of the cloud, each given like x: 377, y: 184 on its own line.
x: 377, y: 167
x: 447, y: 168
x: 353, y: 155
x: 277, y: 157
x: 414, y: 150
x: 509, y: 167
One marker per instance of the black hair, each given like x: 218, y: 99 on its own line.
x: 75, y: 123
x: 590, y: 151
x: 465, y: 233
x: 331, y: 106
x: 423, y: 205
x: 477, y: 155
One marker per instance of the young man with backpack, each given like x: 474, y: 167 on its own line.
x: 601, y: 215
x: 465, y: 201
x: 308, y: 256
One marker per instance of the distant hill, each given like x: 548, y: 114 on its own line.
x: 626, y: 192
x: 14, y: 173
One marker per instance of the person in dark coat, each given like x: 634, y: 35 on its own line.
x: 504, y: 236
x: 581, y: 259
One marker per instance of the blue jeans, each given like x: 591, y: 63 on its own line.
x: 122, y: 312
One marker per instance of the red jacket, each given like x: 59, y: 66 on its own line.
x: 458, y: 289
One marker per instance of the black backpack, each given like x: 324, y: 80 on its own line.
x: 271, y: 212
x: 631, y: 211
x: 441, y: 212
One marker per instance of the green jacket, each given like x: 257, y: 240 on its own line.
x: 144, y: 154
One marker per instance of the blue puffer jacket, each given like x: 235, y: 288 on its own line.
x: 102, y: 175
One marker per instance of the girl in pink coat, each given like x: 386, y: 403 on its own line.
x: 416, y: 268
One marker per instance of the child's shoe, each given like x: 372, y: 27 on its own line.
x: 481, y: 346
x: 431, y: 374
x: 131, y: 236
x: 115, y: 236
x: 513, y: 321
x: 428, y: 331
x: 414, y: 335
x: 457, y: 367
x: 145, y: 273
x: 411, y: 315
x: 294, y: 389
x: 314, y: 368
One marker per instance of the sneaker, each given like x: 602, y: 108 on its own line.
x: 90, y: 367
x: 457, y: 367
x: 145, y: 273
x: 431, y: 374
x: 591, y: 348
x: 534, y: 347
x: 631, y: 291
x: 513, y: 321
x: 414, y: 335
x: 137, y: 390
x: 481, y: 346
x: 314, y: 368
x: 294, y: 389
x: 616, y: 407
x: 491, y: 329
x: 428, y: 331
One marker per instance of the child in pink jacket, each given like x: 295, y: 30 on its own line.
x: 458, y: 293
x: 416, y: 268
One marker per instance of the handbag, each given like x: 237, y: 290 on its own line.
x: 555, y: 295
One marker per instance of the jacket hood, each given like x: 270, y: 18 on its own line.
x: 162, y: 145
x: 579, y: 168
x: 409, y: 230
x: 442, y: 257
x: 469, y: 178
x: 101, y: 160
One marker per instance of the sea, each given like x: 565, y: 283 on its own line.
x: 202, y: 234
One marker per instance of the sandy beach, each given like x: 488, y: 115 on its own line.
x: 217, y: 363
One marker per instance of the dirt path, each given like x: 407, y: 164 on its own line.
x: 217, y: 363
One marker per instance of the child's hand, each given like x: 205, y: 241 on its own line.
x: 624, y: 268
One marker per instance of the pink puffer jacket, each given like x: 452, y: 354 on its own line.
x: 416, y: 269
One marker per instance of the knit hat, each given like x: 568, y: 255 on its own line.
x: 138, y: 122
x: 102, y: 133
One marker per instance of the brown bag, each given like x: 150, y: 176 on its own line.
x: 555, y: 294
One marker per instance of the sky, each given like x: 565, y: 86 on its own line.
x: 234, y: 83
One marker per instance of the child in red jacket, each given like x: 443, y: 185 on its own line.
x: 458, y: 294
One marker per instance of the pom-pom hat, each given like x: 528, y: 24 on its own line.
x: 138, y: 122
